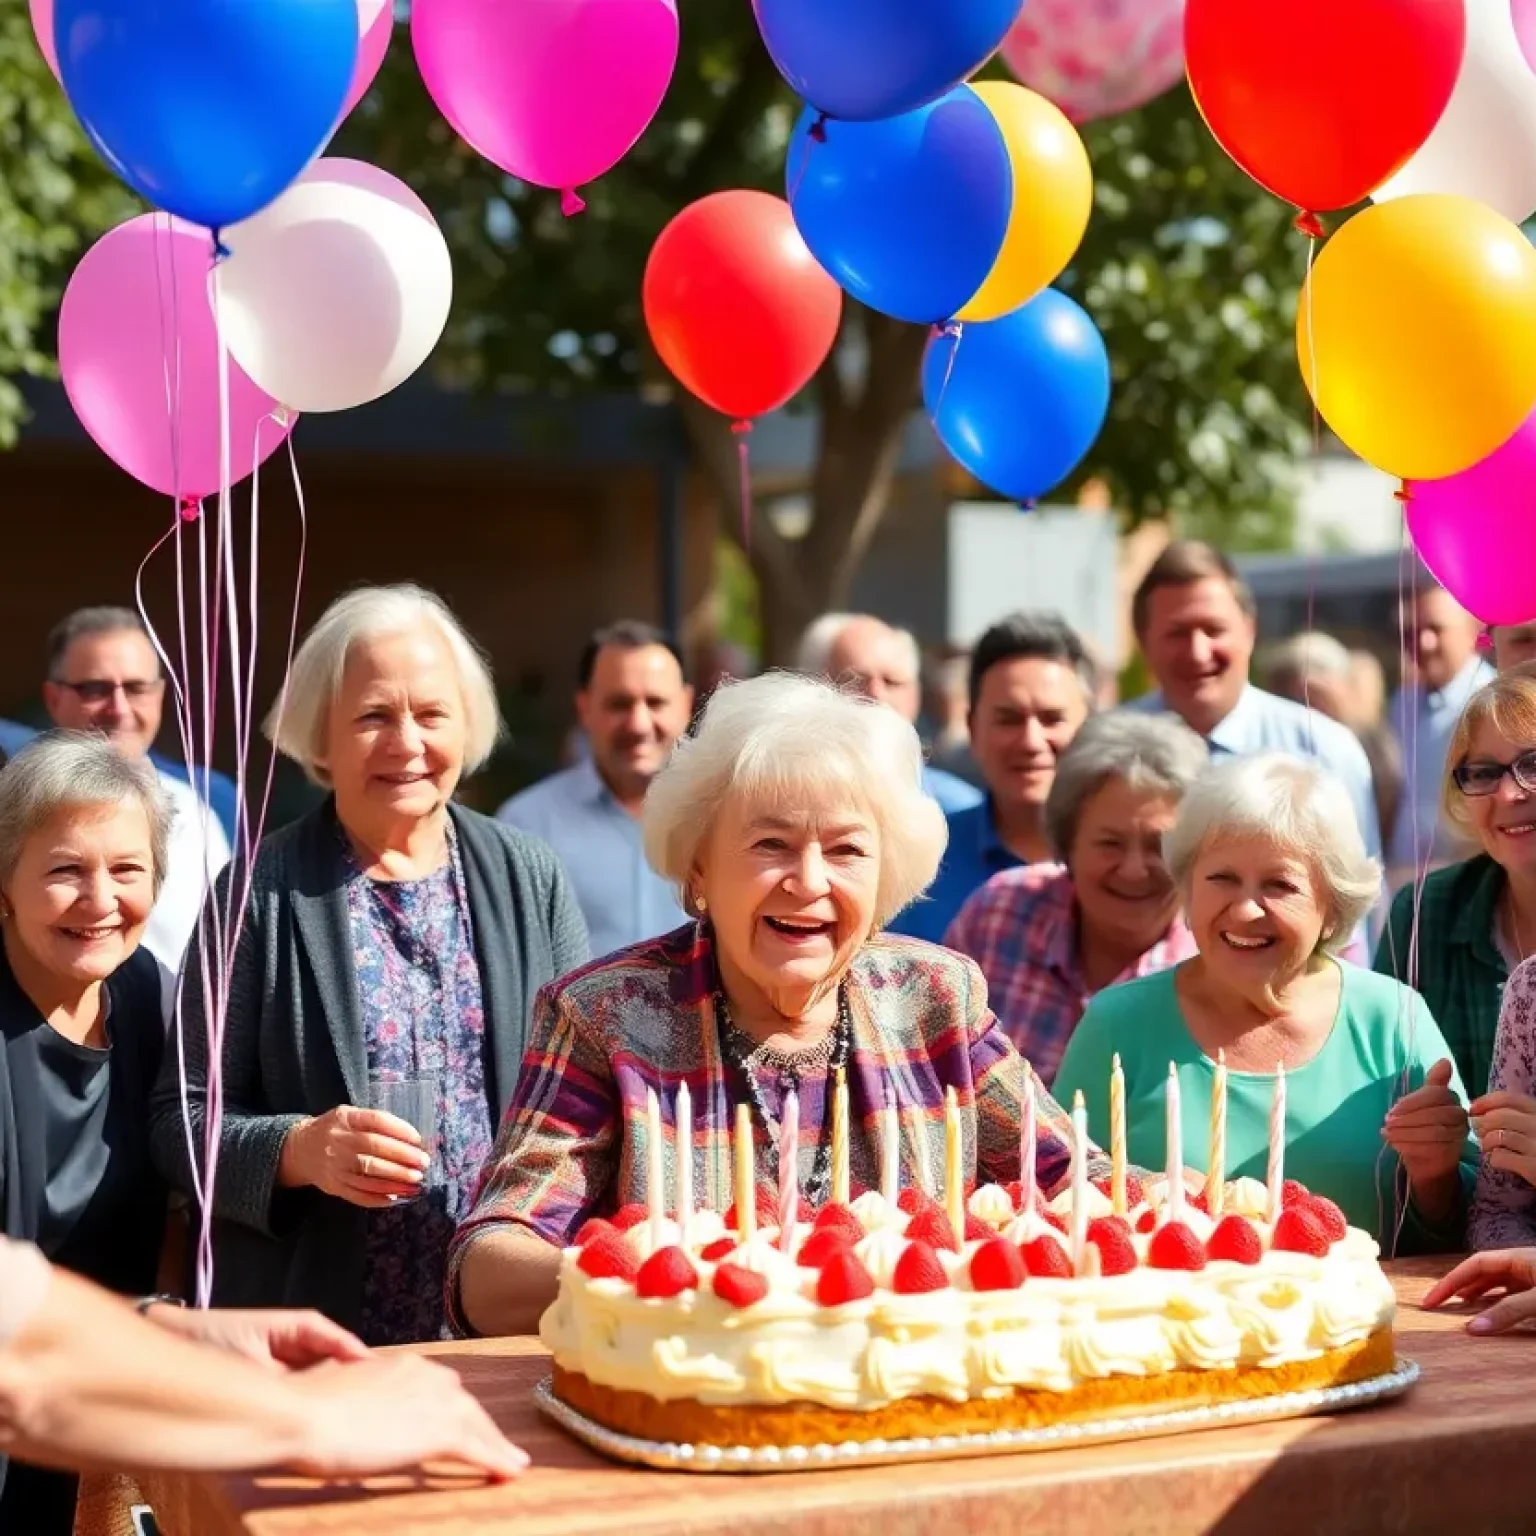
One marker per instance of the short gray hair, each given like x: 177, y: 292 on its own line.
x: 779, y: 737
x: 71, y: 770
x: 1309, y: 654
x: 103, y: 619
x: 1298, y: 807
x: 1155, y: 753
x: 297, y: 726
x: 814, y: 656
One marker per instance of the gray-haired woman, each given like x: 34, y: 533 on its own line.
x: 1049, y: 936
x: 83, y: 838
x: 393, y: 945
x: 1268, y: 858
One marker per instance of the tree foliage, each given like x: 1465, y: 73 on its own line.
x: 55, y: 197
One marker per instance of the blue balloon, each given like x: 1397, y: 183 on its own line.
x: 908, y: 214
x: 866, y: 59
x: 207, y: 108
x: 1019, y: 401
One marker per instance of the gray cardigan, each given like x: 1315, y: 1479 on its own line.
x: 293, y: 1044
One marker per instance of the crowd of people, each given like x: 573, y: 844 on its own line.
x: 440, y: 1029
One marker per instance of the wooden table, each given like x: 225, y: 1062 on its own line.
x: 1456, y: 1454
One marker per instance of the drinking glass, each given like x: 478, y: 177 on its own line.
x: 411, y: 1097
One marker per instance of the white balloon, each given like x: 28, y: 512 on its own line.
x: 337, y: 292
x: 1484, y: 145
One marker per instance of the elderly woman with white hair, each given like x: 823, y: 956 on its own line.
x: 1049, y: 936
x: 795, y: 825
x: 83, y: 846
x: 1268, y: 857
x: 392, y: 947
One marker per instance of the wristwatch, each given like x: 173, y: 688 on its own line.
x: 144, y: 1303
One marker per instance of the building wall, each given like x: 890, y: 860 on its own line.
x: 530, y: 559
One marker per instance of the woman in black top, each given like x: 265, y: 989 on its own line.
x: 83, y: 836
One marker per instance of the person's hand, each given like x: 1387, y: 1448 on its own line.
x: 362, y: 1156
x: 293, y: 1340
x: 397, y: 1411
x: 1512, y: 1270
x: 1428, y: 1128
x: 1506, y: 1126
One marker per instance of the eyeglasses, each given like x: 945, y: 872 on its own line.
x: 1483, y: 777
x: 98, y: 690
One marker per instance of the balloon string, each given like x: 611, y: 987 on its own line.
x: 742, y: 431
x: 952, y: 331
x: 817, y: 135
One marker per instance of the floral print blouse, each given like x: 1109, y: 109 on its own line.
x: 1504, y: 1206
x: 419, y: 986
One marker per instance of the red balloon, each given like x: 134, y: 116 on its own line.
x: 736, y: 304
x: 1321, y: 101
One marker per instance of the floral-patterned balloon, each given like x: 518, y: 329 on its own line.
x: 1095, y: 58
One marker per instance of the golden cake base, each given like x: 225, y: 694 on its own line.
x: 687, y: 1422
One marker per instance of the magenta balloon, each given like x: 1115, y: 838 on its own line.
x: 1524, y: 14
x: 137, y: 319
x: 376, y: 27
x: 1096, y: 58
x: 554, y: 92
x: 1477, y: 531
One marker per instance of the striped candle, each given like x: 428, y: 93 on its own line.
x: 1117, y: 1137
x: 890, y: 1152
x: 655, y: 1168
x: 954, y: 1169
x: 1079, y: 1224
x: 746, y: 1177
x: 1028, y: 1144
x: 1216, y: 1171
x: 1173, y: 1206
x: 682, y: 1115
x: 840, y: 1138
x: 1276, y: 1179
x: 789, y: 1171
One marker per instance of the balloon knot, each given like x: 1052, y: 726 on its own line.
x: 819, y: 129
x: 741, y: 428
x: 1485, y: 640
x: 282, y: 415
x: 1028, y: 504
x: 1310, y: 225
x: 220, y: 250
x: 1402, y: 493
x: 570, y: 203
x: 191, y: 509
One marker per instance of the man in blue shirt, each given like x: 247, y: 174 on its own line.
x: 862, y: 652
x: 1197, y: 624
x: 632, y: 703
x: 1032, y: 684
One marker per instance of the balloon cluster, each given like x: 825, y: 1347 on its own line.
x: 331, y: 282
x: 1416, y: 326
x: 924, y: 198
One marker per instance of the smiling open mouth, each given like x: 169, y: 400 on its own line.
x: 89, y: 935
x: 795, y: 928
x: 1246, y: 942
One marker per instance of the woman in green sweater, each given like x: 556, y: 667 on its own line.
x: 1275, y: 878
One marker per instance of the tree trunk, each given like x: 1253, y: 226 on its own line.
x: 859, y: 446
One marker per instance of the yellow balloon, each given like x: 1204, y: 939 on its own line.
x: 1052, y: 198
x: 1416, y: 333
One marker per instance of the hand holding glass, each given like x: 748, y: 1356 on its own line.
x: 412, y: 1100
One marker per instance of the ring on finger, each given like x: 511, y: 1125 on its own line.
x: 363, y: 1164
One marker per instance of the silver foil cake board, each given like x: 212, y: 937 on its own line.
x: 670, y: 1457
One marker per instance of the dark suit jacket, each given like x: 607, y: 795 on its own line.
x: 294, y: 1047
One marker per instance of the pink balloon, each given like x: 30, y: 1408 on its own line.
x: 1476, y: 531
x: 1524, y: 14
x: 42, y: 27
x: 1097, y: 58
x: 555, y: 92
x: 139, y: 356
x: 376, y: 25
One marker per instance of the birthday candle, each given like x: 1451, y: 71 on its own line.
x: 682, y: 1113
x: 890, y: 1152
x: 1216, y: 1173
x: 1117, y: 1137
x: 1028, y: 1144
x: 1277, y: 1144
x: 840, y: 1139
x: 1173, y: 1208
x: 655, y: 1168
x: 1079, y: 1231
x: 789, y: 1175
x: 746, y: 1177
x: 954, y: 1172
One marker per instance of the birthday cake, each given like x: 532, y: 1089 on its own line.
x: 884, y: 1319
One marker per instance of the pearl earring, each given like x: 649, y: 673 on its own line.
x: 699, y: 903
